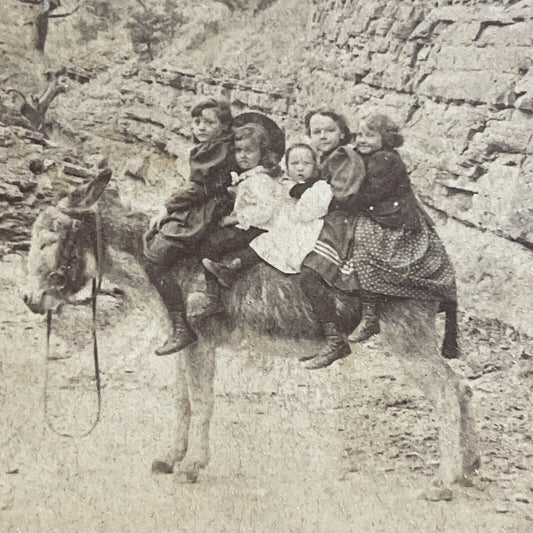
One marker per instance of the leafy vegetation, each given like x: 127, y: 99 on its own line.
x: 150, y: 27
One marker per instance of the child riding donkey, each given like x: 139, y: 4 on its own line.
x: 343, y: 169
x: 263, y: 201
x: 396, y: 251
x: 189, y: 221
x: 377, y: 241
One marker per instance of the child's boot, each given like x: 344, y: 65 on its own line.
x: 369, y: 324
x: 182, y: 335
x: 225, y: 272
x: 228, y: 271
x: 336, y: 348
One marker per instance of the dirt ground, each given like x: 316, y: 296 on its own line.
x: 345, y: 449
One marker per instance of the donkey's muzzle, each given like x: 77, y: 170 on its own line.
x: 34, y: 304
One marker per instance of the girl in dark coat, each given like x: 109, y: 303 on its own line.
x: 343, y: 169
x: 396, y: 251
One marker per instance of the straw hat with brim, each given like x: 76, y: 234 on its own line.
x: 275, y: 133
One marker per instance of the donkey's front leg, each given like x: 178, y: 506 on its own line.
x: 469, y: 436
x: 200, y: 362
x: 166, y: 464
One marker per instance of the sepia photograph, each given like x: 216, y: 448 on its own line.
x: 266, y: 266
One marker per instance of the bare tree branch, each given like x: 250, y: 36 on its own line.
x: 40, y: 24
x: 56, y: 87
x: 63, y: 15
x: 34, y: 109
x: 142, y: 4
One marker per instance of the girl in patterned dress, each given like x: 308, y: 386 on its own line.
x: 396, y: 252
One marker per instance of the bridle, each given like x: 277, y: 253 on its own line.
x: 63, y: 275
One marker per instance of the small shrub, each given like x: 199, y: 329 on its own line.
x: 148, y: 27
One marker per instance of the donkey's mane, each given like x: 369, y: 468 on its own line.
x: 122, y: 228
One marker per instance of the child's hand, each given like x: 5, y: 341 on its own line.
x: 229, y: 220
x: 298, y: 189
x: 313, y: 203
x: 156, y: 221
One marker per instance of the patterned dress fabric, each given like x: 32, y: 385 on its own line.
x: 398, y: 262
x: 393, y: 249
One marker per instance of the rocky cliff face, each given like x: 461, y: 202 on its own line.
x: 456, y: 75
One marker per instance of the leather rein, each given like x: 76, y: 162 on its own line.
x: 96, y: 285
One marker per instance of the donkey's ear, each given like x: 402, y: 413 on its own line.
x: 86, y: 196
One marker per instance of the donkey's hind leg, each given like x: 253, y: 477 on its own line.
x: 410, y: 328
x: 166, y: 464
x: 469, y: 435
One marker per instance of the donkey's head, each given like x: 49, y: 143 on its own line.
x: 62, y: 250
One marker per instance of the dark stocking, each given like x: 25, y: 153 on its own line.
x: 182, y: 335
x: 369, y: 324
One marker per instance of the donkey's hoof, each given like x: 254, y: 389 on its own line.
x: 472, y: 464
x: 437, y: 494
x: 162, y: 467
x: 450, y: 350
x: 187, y: 476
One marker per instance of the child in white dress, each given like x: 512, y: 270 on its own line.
x: 291, y: 225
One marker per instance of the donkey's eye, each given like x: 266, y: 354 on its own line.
x: 57, y: 280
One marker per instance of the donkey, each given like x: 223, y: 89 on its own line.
x: 62, y: 258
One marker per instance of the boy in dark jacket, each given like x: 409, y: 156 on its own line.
x: 192, y: 212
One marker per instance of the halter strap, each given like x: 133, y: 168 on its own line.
x: 96, y: 285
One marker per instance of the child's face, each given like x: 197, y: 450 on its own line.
x: 207, y: 125
x: 247, y: 154
x: 368, y: 141
x: 300, y: 164
x: 325, y: 133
